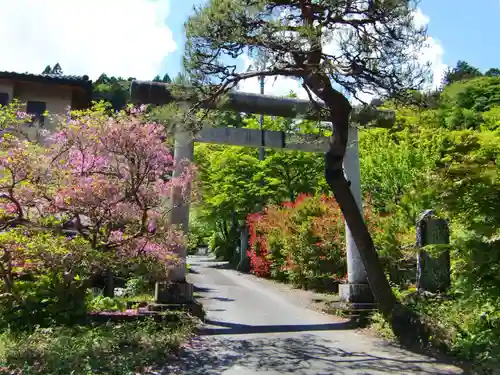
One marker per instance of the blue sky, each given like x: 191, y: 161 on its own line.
x: 143, y: 38
x: 466, y: 30
x: 175, y: 20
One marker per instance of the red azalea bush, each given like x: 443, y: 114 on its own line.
x: 303, y: 242
x: 300, y: 242
x: 259, y: 256
x: 107, y: 175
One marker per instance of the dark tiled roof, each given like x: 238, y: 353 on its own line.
x: 80, y: 81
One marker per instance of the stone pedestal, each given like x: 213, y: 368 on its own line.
x: 173, y: 297
x: 173, y: 293
x: 356, y: 294
x: 357, y: 290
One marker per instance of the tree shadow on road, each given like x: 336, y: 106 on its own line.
x: 242, y: 329
x: 292, y: 349
x: 223, y: 266
x: 301, y: 354
x: 199, y: 289
x: 222, y: 299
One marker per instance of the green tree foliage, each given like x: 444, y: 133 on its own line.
x: 428, y: 100
x: 393, y: 165
x: 493, y: 72
x: 491, y: 118
x: 230, y: 180
x: 463, y: 103
x: 287, y: 174
x: 462, y: 71
x: 478, y: 94
x: 199, y: 232
x: 114, y: 90
x: 423, y: 164
x: 233, y: 181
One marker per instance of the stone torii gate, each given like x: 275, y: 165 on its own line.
x: 357, y: 289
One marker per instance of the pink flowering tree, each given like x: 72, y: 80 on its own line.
x: 110, y: 176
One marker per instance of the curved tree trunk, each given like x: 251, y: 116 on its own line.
x: 340, y: 110
x: 379, y: 284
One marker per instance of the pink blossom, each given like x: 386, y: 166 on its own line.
x: 116, y: 236
x: 23, y: 115
x: 109, y: 169
x: 11, y: 208
x: 151, y: 226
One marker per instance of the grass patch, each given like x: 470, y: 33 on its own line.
x: 145, y: 297
x: 380, y: 325
x: 118, y: 303
x: 126, y: 348
x: 464, y: 327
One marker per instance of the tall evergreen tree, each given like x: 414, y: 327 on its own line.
x: 166, y: 78
x: 57, y: 69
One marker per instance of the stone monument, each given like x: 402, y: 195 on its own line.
x: 433, y: 270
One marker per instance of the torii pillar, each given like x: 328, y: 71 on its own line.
x: 179, y: 214
x: 357, y: 290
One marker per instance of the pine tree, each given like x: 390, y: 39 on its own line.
x: 166, y: 78
x: 57, y: 69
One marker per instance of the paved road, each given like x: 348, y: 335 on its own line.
x: 253, y: 327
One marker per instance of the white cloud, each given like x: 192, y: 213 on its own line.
x: 433, y: 53
x: 420, y: 19
x: 118, y: 37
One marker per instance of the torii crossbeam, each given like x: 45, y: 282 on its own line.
x: 158, y: 93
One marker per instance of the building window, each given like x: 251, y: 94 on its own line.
x: 36, y: 109
x: 4, y: 98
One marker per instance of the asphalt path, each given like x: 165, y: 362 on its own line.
x: 253, y: 327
